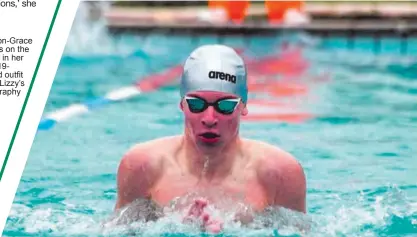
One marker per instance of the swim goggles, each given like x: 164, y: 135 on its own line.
x: 223, y: 106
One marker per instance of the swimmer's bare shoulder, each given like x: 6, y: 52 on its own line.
x: 280, y: 174
x: 140, y: 168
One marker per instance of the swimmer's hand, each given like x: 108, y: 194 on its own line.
x: 197, y: 213
x: 141, y: 209
x: 244, y: 216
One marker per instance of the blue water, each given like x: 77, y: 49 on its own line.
x: 358, y: 151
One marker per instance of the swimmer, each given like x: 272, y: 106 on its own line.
x: 210, y: 154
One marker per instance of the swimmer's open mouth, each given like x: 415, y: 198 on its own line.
x: 209, y: 135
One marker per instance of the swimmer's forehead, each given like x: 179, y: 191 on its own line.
x: 212, y: 95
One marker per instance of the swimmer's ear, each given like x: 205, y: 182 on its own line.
x: 244, y: 110
x: 181, y: 106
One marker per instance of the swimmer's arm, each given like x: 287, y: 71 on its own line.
x: 134, y: 178
x: 291, y: 188
x: 286, y: 186
x: 285, y: 182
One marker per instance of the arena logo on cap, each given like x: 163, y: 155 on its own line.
x: 222, y: 76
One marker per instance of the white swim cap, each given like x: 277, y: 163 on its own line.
x: 215, y: 68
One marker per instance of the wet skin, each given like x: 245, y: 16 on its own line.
x: 253, y: 172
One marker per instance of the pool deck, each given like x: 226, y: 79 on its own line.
x: 384, y: 17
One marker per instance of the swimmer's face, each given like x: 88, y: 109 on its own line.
x: 212, y: 126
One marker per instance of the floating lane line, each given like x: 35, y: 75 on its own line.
x: 147, y: 84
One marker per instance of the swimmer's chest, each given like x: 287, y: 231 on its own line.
x: 241, y: 188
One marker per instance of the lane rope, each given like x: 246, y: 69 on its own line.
x: 149, y: 83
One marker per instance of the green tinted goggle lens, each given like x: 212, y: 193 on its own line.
x: 223, y: 106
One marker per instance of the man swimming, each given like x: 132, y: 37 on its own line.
x: 210, y: 154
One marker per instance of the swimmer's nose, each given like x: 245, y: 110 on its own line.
x: 209, y: 118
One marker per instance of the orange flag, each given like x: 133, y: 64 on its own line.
x: 236, y: 10
x: 276, y: 9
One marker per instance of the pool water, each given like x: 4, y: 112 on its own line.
x: 358, y: 149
